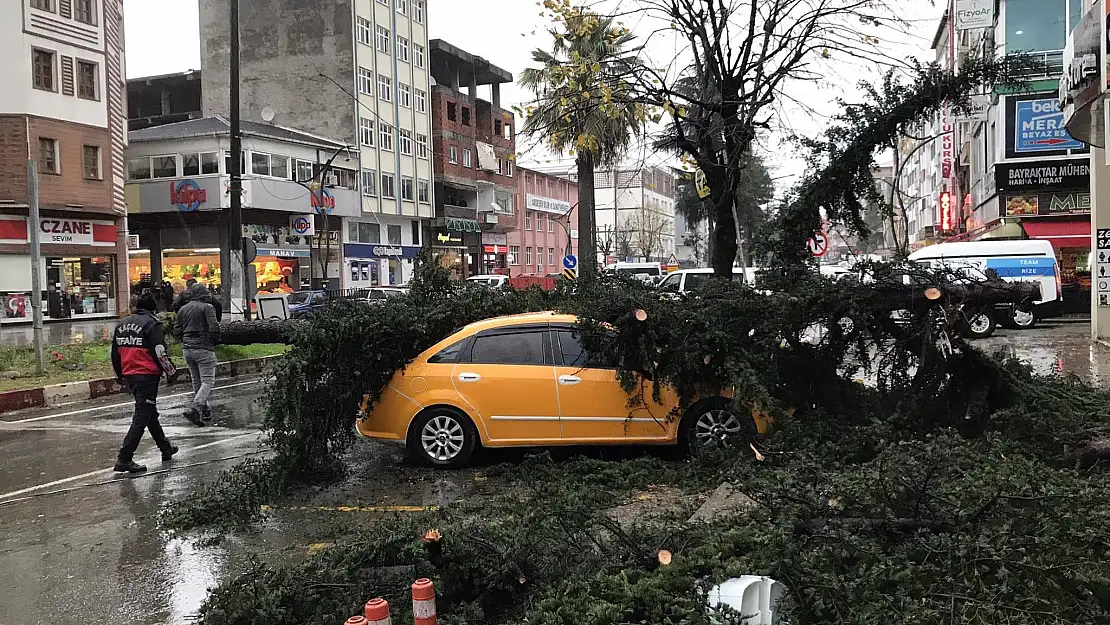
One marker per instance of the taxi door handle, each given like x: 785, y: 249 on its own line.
x: 569, y: 380
x: 469, y: 377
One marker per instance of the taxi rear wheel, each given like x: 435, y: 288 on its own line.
x: 442, y: 437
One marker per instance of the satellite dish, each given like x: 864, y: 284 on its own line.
x: 267, y: 114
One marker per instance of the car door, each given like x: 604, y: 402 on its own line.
x: 507, y: 379
x: 592, y: 405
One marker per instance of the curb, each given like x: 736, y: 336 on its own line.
x: 69, y: 392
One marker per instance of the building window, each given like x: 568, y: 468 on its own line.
x: 363, y: 31
x: 199, y: 164
x: 163, y: 166
x: 365, y: 81
x: 43, y: 5
x: 84, y: 11
x: 466, y: 157
x: 279, y: 166
x: 366, y: 131
x: 508, y: 168
x: 418, y: 11
x: 452, y: 154
x: 528, y: 220
x: 466, y: 116
x: 418, y: 55
x: 260, y: 164
x: 1036, y: 25
x: 369, y: 182
x: 497, y: 127
x: 383, y: 39
x: 393, y: 234
x: 500, y: 166
x: 48, y: 156
x: 423, y: 195
x: 87, y: 79
x: 406, y: 189
x: 404, y: 141
x: 387, y: 186
x: 416, y: 232
x: 138, y: 168
x: 42, y: 70
x: 383, y: 2
x: 365, y: 232
x: 404, y: 95
x: 550, y: 256
x: 550, y: 224
x: 527, y: 255
x: 305, y: 169
x: 385, y: 88
x: 422, y: 146
x: 90, y: 162
x: 452, y: 113
x: 514, y: 255
x: 403, y: 7
x: 385, y: 136
x: 421, y: 101
x: 402, y: 49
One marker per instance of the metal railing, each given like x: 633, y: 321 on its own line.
x: 1045, y: 64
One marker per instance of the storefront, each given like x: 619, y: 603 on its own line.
x: 450, y: 250
x: 377, y: 265
x: 78, y: 269
x: 1051, y: 200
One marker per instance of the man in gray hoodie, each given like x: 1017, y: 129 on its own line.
x: 200, y: 331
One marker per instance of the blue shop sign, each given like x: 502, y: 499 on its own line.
x: 1023, y: 267
x: 1039, y: 127
x: 380, y: 250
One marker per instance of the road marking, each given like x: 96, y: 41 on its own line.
x: 119, y: 405
x: 74, y: 478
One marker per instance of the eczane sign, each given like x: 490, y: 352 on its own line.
x: 974, y: 14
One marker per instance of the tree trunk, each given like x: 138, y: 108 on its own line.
x: 587, y: 232
x: 724, y: 238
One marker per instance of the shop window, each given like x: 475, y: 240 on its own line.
x: 369, y: 182
x: 394, y: 233
x: 90, y: 162
x: 416, y: 232
x: 369, y: 232
x: 48, y: 156
x: 80, y: 287
x: 138, y: 168
x: 387, y: 186
x: 423, y: 192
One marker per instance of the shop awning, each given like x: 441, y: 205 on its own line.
x: 463, y: 225
x: 1062, y: 234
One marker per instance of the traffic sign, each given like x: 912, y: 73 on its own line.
x: 570, y: 274
x: 819, y: 244
x: 570, y: 261
x: 672, y: 264
x: 701, y: 184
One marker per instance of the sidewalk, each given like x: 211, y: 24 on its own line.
x: 57, y: 332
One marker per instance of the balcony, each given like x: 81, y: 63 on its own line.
x: 1045, y: 64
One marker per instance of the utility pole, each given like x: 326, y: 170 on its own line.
x: 235, y: 236
x: 36, y: 260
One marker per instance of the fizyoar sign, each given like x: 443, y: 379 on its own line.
x: 974, y: 14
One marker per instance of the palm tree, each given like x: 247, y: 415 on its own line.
x: 585, y: 105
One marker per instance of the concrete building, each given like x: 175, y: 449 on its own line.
x: 63, y: 106
x: 474, y: 156
x: 1009, y: 169
x: 178, y: 203
x: 355, y: 71
x: 546, y: 223
x: 157, y: 100
x: 635, y: 214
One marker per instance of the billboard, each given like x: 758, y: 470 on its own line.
x: 1035, y: 127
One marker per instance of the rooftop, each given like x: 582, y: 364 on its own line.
x: 447, y: 59
x: 185, y: 76
x: 219, y: 126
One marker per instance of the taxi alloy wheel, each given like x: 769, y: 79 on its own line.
x: 713, y: 423
x: 442, y: 437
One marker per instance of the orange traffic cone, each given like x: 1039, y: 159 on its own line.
x: 424, y: 602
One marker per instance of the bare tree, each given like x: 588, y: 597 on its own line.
x: 646, y: 228
x: 605, y: 240
x: 623, y: 238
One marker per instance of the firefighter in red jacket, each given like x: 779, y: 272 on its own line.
x: 140, y: 359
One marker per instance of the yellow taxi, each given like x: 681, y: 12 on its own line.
x: 525, y: 381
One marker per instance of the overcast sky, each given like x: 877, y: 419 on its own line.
x: 505, y: 35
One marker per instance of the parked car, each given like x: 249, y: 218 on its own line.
x: 492, y: 280
x: 685, y: 280
x: 304, y: 303
x: 648, y: 272
x: 378, y: 294
x: 525, y: 381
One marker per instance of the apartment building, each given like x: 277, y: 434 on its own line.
x: 63, y: 106
x: 546, y: 227
x: 356, y: 71
x: 635, y: 214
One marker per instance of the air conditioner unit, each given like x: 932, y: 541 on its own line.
x: 331, y: 180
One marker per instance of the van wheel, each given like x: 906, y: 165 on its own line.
x: 443, y: 437
x: 980, y: 325
x: 1023, y: 319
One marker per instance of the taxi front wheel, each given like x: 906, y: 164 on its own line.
x: 442, y: 437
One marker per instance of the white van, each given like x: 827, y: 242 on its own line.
x: 685, y: 280
x: 648, y: 272
x: 1030, y: 260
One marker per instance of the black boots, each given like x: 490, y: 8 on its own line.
x: 128, y: 467
x: 194, y: 416
x: 167, y: 453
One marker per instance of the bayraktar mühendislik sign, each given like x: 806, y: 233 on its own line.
x: 1071, y: 174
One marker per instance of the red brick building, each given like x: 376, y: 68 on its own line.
x: 63, y: 108
x: 546, y: 221
x: 473, y: 157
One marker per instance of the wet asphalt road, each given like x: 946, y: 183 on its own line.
x: 78, y: 543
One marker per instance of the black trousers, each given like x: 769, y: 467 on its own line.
x: 145, y: 390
